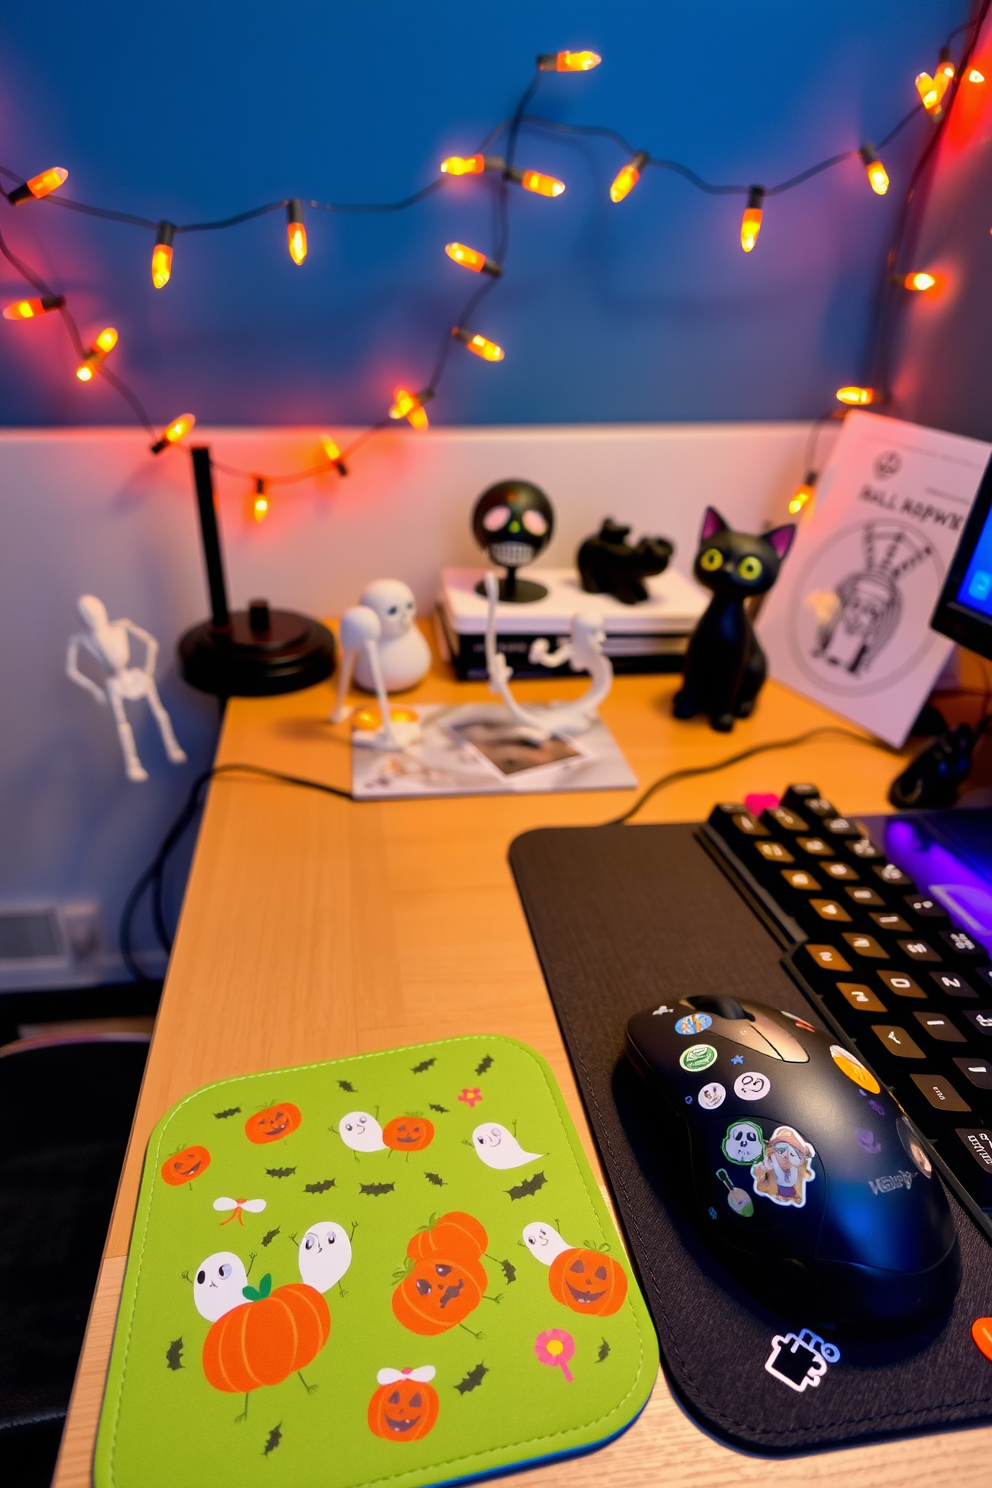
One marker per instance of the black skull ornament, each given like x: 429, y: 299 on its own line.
x: 513, y: 522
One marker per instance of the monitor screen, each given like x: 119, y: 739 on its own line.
x: 964, y: 609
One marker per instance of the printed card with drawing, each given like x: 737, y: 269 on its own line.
x: 394, y: 1267
x: 848, y: 622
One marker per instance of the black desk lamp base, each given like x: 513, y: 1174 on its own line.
x: 264, y: 652
x: 256, y: 652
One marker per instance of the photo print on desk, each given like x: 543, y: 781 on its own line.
x: 480, y: 750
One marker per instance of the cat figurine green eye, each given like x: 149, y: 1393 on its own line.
x: 725, y: 666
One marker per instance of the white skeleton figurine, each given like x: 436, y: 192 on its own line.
x: 584, y: 650
x: 108, y: 642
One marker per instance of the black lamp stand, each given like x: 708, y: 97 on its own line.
x: 256, y: 652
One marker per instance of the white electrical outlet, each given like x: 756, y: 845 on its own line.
x: 47, y: 945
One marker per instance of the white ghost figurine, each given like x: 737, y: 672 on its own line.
x: 544, y: 1242
x: 404, y: 655
x: 361, y: 637
x: 325, y: 1255
x: 218, y: 1285
x: 361, y: 1132
x: 499, y: 1148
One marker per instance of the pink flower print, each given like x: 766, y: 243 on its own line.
x: 555, y: 1347
x: 471, y: 1097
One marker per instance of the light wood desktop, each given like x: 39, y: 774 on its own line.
x: 315, y: 928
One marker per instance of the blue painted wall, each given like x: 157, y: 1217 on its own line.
x: 647, y: 310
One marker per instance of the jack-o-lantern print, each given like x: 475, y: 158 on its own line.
x: 445, y: 1280
x: 183, y: 1167
x: 588, y: 1282
x: 274, y: 1123
x: 405, y: 1406
x: 408, y: 1133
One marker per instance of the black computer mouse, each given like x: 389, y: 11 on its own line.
x: 798, y: 1165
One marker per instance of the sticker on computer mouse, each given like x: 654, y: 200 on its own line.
x: 711, y: 1096
x: 785, y: 1169
x: 698, y: 1057
x: 744, y: 1142
x: 913, y: 1147
x: 694, y: 1023
x: 752, y: 1085
x: 854, y: 1069
x: 738, y: 1200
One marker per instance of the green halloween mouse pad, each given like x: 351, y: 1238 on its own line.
x: 392, y: 1268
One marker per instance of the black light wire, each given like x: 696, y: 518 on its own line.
x: 153, y: 876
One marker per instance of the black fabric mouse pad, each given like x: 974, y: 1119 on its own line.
x: 626, y: 918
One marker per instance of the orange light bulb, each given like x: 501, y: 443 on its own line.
x: 260, y: 501
x: 803, y: 494
x: 463, y: 165
x: 38, y: 186
x: 161, y: 265
x: 104, y: 343
x: 930, y: 93
x: 479, y: 345
x: 332, y: 455
x: 568, y: 61
x: 296, y: 233
x: 162, y: 255
x: 29, y: 309
x: 878, y: 176
x: 856, y: 396
x: 751, y: 220
x: 628, y: 176
x: 541, y: 185
x: 920, y: 281
x: 175, y: 431
x: 296, y: 236
x: 407, y: 405
x: 471, y: 258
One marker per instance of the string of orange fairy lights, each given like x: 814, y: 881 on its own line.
x: 936, y: 95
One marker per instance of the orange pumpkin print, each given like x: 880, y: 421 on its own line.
x: 588, y: 1282
x: 447, y: 1280
x: 408, y: 1133
x: 274, y: 1123
x: 184, y: 1166
x: 456, y: 1233
x: 263, y: 1342
x: 405, y: 1406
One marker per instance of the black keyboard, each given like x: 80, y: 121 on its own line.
x: 885, y: 966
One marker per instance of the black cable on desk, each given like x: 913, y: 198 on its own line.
x: 154, y: 874
x: 736, y: 759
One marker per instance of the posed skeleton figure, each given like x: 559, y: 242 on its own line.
x: 109, y: 643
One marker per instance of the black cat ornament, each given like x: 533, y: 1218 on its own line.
x: 725, y: 667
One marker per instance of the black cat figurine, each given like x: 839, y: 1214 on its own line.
x: 608, y: 564
x: 725, y: 667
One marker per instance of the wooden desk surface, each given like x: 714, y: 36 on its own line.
x: 315, y: 928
